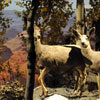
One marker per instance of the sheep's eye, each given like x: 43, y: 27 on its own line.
x: 79, y: 38
x: 39, y: 37
x: 35, y: 39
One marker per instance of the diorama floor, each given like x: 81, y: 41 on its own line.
x: 67, y: 93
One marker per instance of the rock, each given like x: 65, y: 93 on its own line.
x: 89, y: 98
x: 56, y: 97
x: 67, y: 93
x: 98, y: 99
x: 91, y: 77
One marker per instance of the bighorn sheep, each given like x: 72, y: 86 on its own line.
x: 92, y: 55
x: 58, y: 59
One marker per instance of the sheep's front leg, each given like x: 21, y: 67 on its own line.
x: 76, y: 74
x: 98, y: 81
x: 41, y: 81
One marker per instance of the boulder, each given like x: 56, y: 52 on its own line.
x: 56, y: 97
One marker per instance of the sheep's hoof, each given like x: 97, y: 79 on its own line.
x: 77, y: 93
x: 46, y: 93
x: 41, y: 94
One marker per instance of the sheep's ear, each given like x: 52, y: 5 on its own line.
x: 76, y: 34
x: 92, y: 30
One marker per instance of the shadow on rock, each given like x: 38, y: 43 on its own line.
x: 54, y: 80
x: 5, y: 53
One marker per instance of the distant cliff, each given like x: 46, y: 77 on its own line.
x: 16, y: 25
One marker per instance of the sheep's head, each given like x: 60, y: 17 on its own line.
x: 37, y: 34
x: 82, y: 40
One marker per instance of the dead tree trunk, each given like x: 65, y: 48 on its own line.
x: 31, y: 52
x: 80, y: 16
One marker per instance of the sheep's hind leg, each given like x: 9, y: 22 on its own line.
x: 81, y: 80
x: 98, y: 81
x: 76, y: 74
x: 41, y: 81
x: 77, y: 83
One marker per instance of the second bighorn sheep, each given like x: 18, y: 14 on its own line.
x: 58, y: 59
x: 92, y: 55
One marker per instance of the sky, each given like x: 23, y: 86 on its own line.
x: 14, y: 7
